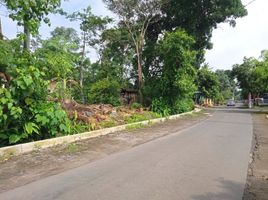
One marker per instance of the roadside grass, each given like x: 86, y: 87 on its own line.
x: 108, y: 124
x: 261, y: 107
x: 7, y: 155
x: 135, y: 126
x: 136, y: 118
x: 72, y: 148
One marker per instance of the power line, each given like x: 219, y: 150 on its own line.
x: 249, y: 3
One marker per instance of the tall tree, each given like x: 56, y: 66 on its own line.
x: 198, y: 18
x: 116, y: 55
x: 227, y: 84
x: 244, y: 74
x: 91, y: 27
x: 30, y: 14
x: 173, y: 87
x: 136, y: 15
x: 58, y: 57
x: 208, y: 83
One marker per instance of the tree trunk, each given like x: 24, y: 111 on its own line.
x: 1, y: 31
x: 140, y: 78
x: 27, y: 37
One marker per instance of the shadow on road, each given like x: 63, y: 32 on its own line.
x: 230, y: 191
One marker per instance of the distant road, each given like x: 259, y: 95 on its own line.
x: 208, y: 161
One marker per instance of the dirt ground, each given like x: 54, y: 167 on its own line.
x: 26, y: 168
x: 257, y: 181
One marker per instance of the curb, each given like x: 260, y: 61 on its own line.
x: 28, y: 147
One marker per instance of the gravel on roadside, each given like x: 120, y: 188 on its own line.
x: 257, y: 180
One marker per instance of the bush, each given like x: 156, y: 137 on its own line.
x: 105, y: 91
x: 177, y: 81
x: 25, y: 114
x: 183, y: 105
x: 136, y: 105
x: 137, y: 118
x: 161, y: 107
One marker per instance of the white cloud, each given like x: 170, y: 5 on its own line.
x: 248, y: 38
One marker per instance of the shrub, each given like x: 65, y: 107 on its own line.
x: 161, y: 107
x: 105, y: 91
x: 25, y: 114
x: 136, y: 105
x: 183, y: 105
x: 137, y: 118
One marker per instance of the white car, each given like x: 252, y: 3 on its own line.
x: 230, y: 102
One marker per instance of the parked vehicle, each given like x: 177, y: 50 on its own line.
x: 230, y: 102
x: 262, y: 101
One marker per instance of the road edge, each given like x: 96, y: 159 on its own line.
x: 42, y: 144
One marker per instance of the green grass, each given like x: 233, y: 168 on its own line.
x: 72, y: 148
x: 108, y: 124
x: 135, y: 126
x: 138, y: 117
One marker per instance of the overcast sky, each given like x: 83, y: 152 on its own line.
x: 248, y: 38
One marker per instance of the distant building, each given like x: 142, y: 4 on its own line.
x: 128, y: 96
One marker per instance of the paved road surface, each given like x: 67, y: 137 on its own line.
x: 206, y: 162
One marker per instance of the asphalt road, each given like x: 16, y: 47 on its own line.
x: 208, y: 161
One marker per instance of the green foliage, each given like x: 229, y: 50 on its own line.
x: 10, y: 114
x: 90, y: 23
x: 57, y: 57
x: 148, y: 50
x: 161, y: 107
x: 252, y: 75
x: 91, y: 27
x: 25, y: 114
x: 198, y: 18
x: 66, y: 38
x: 72, y: 148
x: 184, y: 105
x: 51, y: 119
x: 135, y: 126
x: 108, y: 124
x: 104, y: 91
x: 177, y: 75
x: 136, y: 105
x: 261, y: 81
x: 208, y: 83
x: 6, y: 54
x: 244, y: 74
x: 137, y: 118
x: 135, y: 17
x: 79, y: 127
x: 30, y: 13
x: 227, y: 85
x: 178, y: 71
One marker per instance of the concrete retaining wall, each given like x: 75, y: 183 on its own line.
x: 27, y: 147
